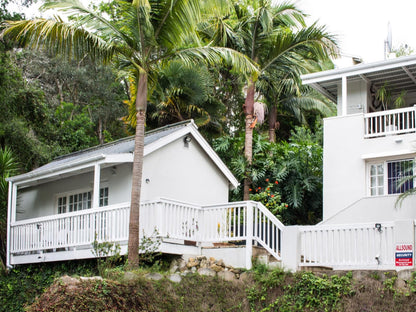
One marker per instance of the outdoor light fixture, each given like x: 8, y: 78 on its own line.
x: 378, y: 227
x: 186, y: 140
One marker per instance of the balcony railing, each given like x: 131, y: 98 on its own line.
x: 391, y: 122
x: 239, y: 221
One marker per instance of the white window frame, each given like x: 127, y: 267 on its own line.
x: 67, y: 195
x: 384, y: 163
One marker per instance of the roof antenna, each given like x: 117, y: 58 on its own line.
x: 388, y: 43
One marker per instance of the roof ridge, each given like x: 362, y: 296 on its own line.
x: 128, y: 138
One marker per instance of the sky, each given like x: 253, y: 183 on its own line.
x: 361, y: 26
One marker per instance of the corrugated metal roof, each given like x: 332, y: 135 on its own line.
x: 399, y: 74
x: 125, y: 145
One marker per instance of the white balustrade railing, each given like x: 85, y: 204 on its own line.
x: 359, y: 246
x: 390, y: 122
x: 70, y: 229
x: 337, y: 246
x: 249, y: 221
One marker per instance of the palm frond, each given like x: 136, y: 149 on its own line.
x: 59, y: 38
x: 214, y: 55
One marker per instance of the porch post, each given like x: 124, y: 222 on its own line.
x: 96, y: 190
x: 344, y: 95
x: 9, y: 213
x: 249, y: 235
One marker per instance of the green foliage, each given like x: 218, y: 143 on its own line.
x: 8, y: 167
x: 291, y: 171
x: 107, y: 255
x: 307, y: 292
x: 269, y: 196
x: 24, y: 283
x: 74, y: 128
x: 149, y: 249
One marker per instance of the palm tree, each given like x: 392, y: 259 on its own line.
x: 265, y: 34
x: 149, y: 33
x: 291, y: 99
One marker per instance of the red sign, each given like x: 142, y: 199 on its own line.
x: 404, y: 255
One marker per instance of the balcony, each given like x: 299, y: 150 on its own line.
x: 391, y: 122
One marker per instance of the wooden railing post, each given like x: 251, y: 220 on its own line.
x: 249, y: 237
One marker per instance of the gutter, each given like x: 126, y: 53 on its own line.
x: 31, y: 175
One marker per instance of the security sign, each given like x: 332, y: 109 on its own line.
x: 404, y: 255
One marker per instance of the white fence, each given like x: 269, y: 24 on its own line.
x: 348, y: 246
x: 396, y: 121
x: 359, y: 246
x: 241, y: 221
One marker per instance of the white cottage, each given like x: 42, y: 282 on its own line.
x: 371, y: 144
x: 56, y: 212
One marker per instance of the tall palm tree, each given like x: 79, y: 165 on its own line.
x: 150, y: 32
x: 265, y: 33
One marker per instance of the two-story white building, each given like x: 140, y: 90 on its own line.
x: 371, y: 144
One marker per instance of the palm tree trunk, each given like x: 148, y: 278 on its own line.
x: 136, y: 184
x: 272, y: 124
x: 248, y: 144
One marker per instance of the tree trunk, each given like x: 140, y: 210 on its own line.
x: 248, y: 144
x: 272, y: 124
x: 100, y: 131
x: 136, y: 184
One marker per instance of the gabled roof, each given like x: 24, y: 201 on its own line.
x: 399, y: 73
x: 121, y: 151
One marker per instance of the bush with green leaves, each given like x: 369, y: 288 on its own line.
x: 296, y: 165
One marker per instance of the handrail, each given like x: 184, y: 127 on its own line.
x: 396, y: 121
x: 237, y: 221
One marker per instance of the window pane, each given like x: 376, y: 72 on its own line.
x: 397, y: 173
x: 104, y: 196
x: 376, y: 179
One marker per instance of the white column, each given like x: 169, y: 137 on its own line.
x: 9, y: 213
x: 344, y: 95
x: 14, y: 201
x: 249, y: 237
x: 96, y: 190
x: 291, y: 248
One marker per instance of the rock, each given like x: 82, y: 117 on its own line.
x: 227, y: 275
x: 176, y: 278
x: 71, y: 283
x: 92, y: 278
x: 204, y: 263
x: 129, y: 276
x: 245, y: 276
x: 206, y: 272
x: 405, y: 274
x: 200, y: 258
x: 192, y: 262
x: 154, y: 276
x: 182, y: 265
x: 216, y: 268
x: 186, y: 272
x: 193, y: 269
x: 235, y: 271
x: 220, y: 263
x: 401, y: 284
x: 173, y: 269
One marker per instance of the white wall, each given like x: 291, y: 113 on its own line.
x: 185, y: 174
x: 176, y: 172
x: 357, y: 97
x: 345, y: 178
